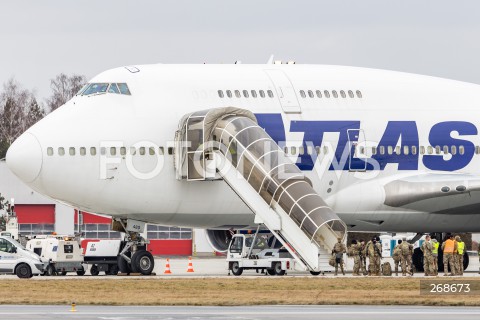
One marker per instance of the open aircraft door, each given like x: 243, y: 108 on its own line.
x: 285, y: 91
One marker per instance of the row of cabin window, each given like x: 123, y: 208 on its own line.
x: 112, y: 151
x: 246, y: 93
x: 388, y: 150
x: 326, y: 94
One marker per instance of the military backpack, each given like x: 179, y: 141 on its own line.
x: 405, y: 248
x: 397, y: 252
x: 386, y: 269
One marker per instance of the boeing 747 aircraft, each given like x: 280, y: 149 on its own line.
x: 308, y: 151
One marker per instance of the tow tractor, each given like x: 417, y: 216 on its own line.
x: 260, y: 252
x: 63, y: 254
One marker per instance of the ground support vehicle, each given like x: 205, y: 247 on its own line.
x: 252, y: 252
x: 15, y: 259
x: 63, y: 254
x: 102, y: 255
x: 106, y: 256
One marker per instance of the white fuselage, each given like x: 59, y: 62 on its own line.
x: 404, y: 110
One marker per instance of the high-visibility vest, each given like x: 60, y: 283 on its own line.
x: 435, y: 247
x: 449, y: 246
x: 461, y: 247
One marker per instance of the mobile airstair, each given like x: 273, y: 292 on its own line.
x: 227, y: 143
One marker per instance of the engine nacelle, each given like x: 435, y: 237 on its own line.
x: 219, y: 239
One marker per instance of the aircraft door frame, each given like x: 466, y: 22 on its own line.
x: 285, y: 91
x: 356, y: 140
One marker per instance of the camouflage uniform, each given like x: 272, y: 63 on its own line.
x: 366, y: 254
x: 428, y: 267
x: 407, y: 251
x: 363, y: 258
x: 373, y: 257
x: 397, y: 257
x: 355, y: 254
x: 338, y: 250
x: 378, y: 257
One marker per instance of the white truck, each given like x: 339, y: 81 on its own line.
x: 15, y: 259
x: 261, y: 256
x: 63, y: 254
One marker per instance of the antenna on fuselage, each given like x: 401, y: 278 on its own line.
x: 270, y: 61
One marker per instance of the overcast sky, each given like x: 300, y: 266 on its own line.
x: 40, y: 39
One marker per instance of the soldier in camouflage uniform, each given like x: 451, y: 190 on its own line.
x: 397, y: 256
x: 354, y: 252
x: 366, y: 254
x: 407, y: 251
x: 428, y: 265
x: 363, y: 257
x: 338, y: 250
x: 371, y: 250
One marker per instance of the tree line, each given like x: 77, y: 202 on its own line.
x: 20, y: 108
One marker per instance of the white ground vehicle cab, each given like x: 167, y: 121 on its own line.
x: 261, y: 256
x: 15, y: 259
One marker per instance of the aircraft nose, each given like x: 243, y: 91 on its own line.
x: 24, y: 157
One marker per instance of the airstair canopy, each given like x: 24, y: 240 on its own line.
x: 256, y: 168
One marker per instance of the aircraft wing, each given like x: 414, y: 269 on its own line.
x: 437, y: 193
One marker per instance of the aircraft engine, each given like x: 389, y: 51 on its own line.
x: 219, y: 239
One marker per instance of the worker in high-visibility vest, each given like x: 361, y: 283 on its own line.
x: 459, y: 255
x: 449, y: 248
x: 435, y: 245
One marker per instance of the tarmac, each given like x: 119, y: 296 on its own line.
x: 216, y: 267
x: 25, y: 312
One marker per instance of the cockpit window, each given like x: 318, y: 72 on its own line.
x: 95, y: 88
x: 79, y: 93
x: 113, y: 88
x: 124, y: 88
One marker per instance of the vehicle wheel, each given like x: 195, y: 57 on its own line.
x: 315, y: 273
x: 123, y: 265
x: 94, y: 270
x: 63, y: 273
x: 23, y: 271
x: 113, y: 270
x: 278, y: 269
x: 50, y: 270
x: 236, y: 270
x: 142, y: 261
x: 81, y: 272
x: 271, y: 272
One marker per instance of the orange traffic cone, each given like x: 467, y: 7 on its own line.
x: 190, y: 265
x: 167, y: 267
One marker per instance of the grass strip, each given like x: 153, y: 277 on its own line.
x: 228, y: 292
